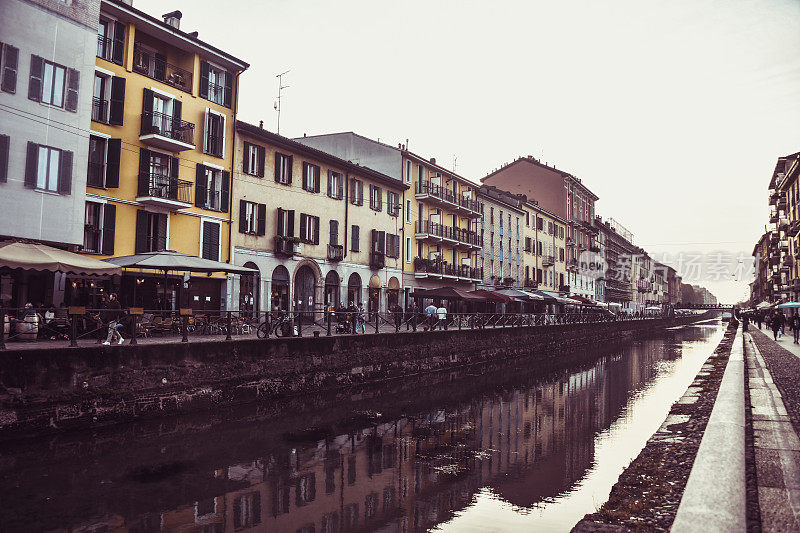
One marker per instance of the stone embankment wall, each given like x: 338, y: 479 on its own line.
x: 45, y: 390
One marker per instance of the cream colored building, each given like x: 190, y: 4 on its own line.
x: 501, y: 230
x: 320, y: 230
x: 544, y: 256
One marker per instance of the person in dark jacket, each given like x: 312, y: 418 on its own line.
x: 795, y: 325
x: 776, y: 323
x: 112, y: 314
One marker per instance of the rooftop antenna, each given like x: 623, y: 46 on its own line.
x: 455, y: 163
x: 281, y: 87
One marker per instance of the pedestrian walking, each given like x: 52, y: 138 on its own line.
x: 352, y: 312
x: 795, y: 325
x: 111, y: 315
x: 398, y: 317
x: 777, y: 324
x: 759, y: 318
x: 412, y: 316
x: 362, y: 318
x: 430, y: 316
x: 441, y: 313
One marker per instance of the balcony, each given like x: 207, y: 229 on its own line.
x: 163, y: 131
x: 782, y: 202
x: 155, y: 66
x: 773, y: 217
x: 286, y: 246
x: 432, y: 268
x: 427, y: 190
x: 157, y: 190
x: 784, y: 245
x: 377, y: 260
x: 594, y: 248
x: 460, y: 238
x: 335, y: 252
x: 548, y: 261
x: 530, y: 284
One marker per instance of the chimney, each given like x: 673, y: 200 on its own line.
x: 129, y: 2
x: 194, y: 34
x: 173, y: 19
x: 261, y: 124
x: 433, y: 160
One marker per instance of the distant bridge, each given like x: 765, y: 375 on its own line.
x: 725, y: 307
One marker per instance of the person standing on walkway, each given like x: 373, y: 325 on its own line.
x: 412, y: 316
x: 795, y: 325
x: 777, y: 324
x: 362, y: 318
x: 441, y: 313
x: 759, y: 318
x: 430, y: 316
x: 398, y: 317
x: 112, y: 314
x: 352, y: 314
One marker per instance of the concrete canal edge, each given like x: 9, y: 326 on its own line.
x: 49, y: 390
x: 715, y: 495
x: 649, y: 491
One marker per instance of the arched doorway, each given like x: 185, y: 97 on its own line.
x: 373, y: 304
x: 332, y: 289
x: 280, y: 288
x: 354, y: 289
x: 249, y: 291
x: 304, y: 284
x: 392, y: 293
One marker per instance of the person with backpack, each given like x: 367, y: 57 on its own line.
x: 795, y: 325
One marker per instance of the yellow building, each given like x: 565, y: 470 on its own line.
x: 441, y: 242
x: 320, y: 230
x: 544, y: 253
x: 160, y: 151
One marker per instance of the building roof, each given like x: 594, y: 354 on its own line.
x: 780, y: 168
x: 512, y: 201
x: 533, y: 161
x: 192, y: 40
x: 295, y: 146
x: 404, y: 151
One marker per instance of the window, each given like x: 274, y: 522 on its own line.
x: 561, y: 254
x: 100, y: 98
x: 420, y: 172
x: 283, y: 168
x: 310, y: 177
x: 539, y: 223
x: 151, y: 232
x: 48, y: 169
x: 98, y: 235
x: 253, y: 163
x: 392, y: 203
x: 309, y: 229
x: 392, y: 245
x: 408, y: 171
x: 53, y: 84
x: 335, y: 185
x: 9, y: 58
x: 215, y: 84
x: 110, y: 40
x: 354, y: 238
x: 561, y: 232
x: 103, y: 169
x: 408, y: 211
x: 247, y: 510
x: 212, y: 186
x: 375, y: 198
x: 214, y: 140
x: 306, y: 489
x: 210, y: 240
x: 285, y: 223
x: 356, y: 192
x: 252, y: 218
x: 408, y: 249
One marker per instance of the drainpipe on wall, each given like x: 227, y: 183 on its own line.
x: 346, y: 205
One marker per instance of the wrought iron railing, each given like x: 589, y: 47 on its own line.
x: 105, y: 48
x: 434, y: 189
x: 335, y: 252
x: 160, y: 186
x: 99, y: 110
x: 165, y: 125
x: 459, y: 235
x: 157, y: 68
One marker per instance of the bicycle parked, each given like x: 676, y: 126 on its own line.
x: 278, y: 325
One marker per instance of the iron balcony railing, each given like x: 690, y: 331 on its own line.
x: 335, y: 252
x: 377, y: 260
x: 160, y: 186
x: 443, y: 193
x: 156, y: 67
x: 432, y: 266
x: 459, y: 235
x: 285, y: 245
x: 99, y: 110
x: 165, y: 125
x: 105, y: 48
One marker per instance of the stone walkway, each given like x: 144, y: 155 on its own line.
x: 777, y: 447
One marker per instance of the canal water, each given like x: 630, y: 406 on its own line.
x: 529, y: 447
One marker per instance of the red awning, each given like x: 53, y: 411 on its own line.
x: 493, y: 296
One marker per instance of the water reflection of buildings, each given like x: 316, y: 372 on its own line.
x: 409, y: 474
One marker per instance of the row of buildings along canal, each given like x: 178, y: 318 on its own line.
x: 120, y: 136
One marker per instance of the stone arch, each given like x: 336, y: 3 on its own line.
x: 354, y: 287
x: 249, y: 290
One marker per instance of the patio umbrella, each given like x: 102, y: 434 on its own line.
x: 762, y: 305
x: 170, y: 260
x: 40, y: 257
x: 519, y: 295
x: 544, y: 296
x: 493, y: 296
x: 447, y: 293
x: 583, y: 300
x: 788, y: 305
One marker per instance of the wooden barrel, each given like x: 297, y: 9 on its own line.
x: 28, y: 329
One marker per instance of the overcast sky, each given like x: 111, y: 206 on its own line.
x: 672, y: 112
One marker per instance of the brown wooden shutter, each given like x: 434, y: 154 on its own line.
x: 109, y: 223
x: 119, y: 43
x: 246, y: 159
x: 382, y: 241
x: 35, y: 80
x: 31, y: 163
x: 228, y: 89
x: 117, y: 103
x: 316, y: 230
x: 144, y: 172
x: 10, y: 61
x: 147, y: 113
x: 290, y: 223
x: 141, y: 245
x: 291, y: 164
x: 161, y: 236
x: 112, y: 163
x: 261, y: 226
x: 340, y: 187
x: 4, y: 144
x: 303, y: 227
x: 65, y: 173
x: 203, y: 80
x: 73, y: 84
x: 200, y: 186
x: 261, y: 160
x: 242, y: 216
x: 334, y: 232
x: 281, y: 223
x: 354, y: 237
